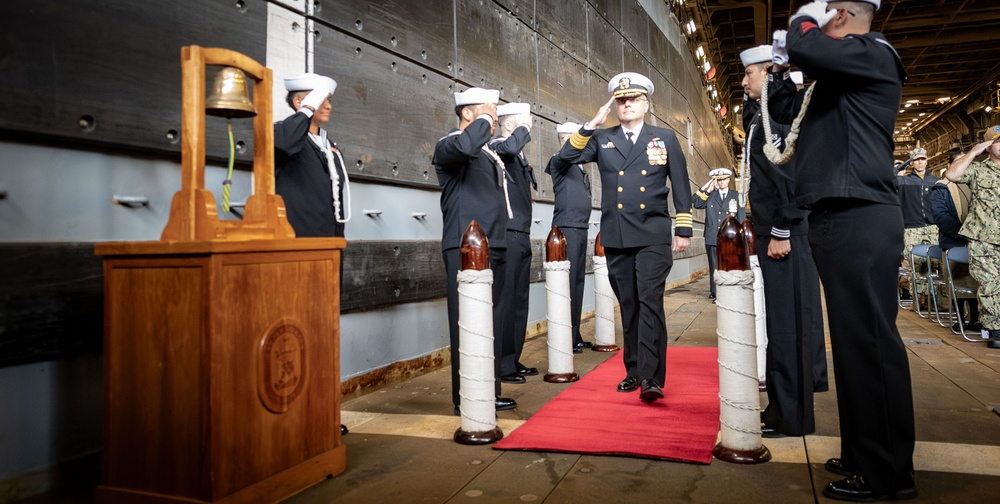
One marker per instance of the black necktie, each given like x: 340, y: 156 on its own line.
x: 629, y: 135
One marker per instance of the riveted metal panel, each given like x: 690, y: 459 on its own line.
x: 108, y: 71
x: 521, y: 9
x: 496, y: 50
x: 634, y: 61
x: 635, y: 25
x: 420, y: 31
x: 564, y: 24
x: 659, y: 50
x: 562, y: 85
x: 605, y: 47
x: 611, y: 10
x: 388, y: 113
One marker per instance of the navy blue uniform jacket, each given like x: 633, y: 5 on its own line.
x: 634, y: 205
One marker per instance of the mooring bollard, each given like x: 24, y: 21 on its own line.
x: 558, y: 313
x: 475, y: 323
x: 740, y: 399
x: 604, y: 299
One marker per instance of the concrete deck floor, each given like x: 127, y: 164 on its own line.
x: 400, y: 448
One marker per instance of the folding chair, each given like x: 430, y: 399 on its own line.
x: 964, y: 287
x: 935, y: 279
x: 917, y: 280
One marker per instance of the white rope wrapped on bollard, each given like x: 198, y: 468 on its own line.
x: 740, y: 400
x: 475, y: 323
x: 604, y: 298
x: 760, y: 320
x: 558, y: 313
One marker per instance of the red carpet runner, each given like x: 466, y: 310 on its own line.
x: 592, y: 417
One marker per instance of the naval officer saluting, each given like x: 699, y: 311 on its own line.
x: 473, y: 187
x: 718, y: 202
x: 635, y: 161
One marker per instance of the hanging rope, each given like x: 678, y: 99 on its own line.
x: 228, y: 183
x: 773, y: 154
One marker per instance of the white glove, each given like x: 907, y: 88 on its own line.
x: 779, y: 51
x: 815, y: 10
x: 322, y: 91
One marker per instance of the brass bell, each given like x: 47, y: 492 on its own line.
x: 230, y: 96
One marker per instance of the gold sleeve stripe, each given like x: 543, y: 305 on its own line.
x: 578, y: 141
x: 683, y: 219
x: 703, y: 196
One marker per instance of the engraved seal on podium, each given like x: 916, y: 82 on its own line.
x: 281, y: 367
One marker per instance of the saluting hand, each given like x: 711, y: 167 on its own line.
x: 602, y: 115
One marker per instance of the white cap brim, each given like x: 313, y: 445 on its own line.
x: 476, y: 96
x: 513, y: 109
x: 567, y: 128
x: 308, y: 82
x: 755, y: 55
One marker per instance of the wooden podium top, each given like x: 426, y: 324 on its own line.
x: 217, y: 246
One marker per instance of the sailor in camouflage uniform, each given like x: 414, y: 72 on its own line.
x: 981, y: 227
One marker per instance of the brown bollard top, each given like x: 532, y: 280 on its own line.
x: 475, y: 249
x: 598, y: 248
x: 750, y: 237
x: 555, y: 246
x: 731, y: 246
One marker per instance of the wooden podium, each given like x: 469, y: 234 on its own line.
x: 222, y: 340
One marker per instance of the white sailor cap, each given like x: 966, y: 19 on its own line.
x: 567, y: 128
x: 720, y: 173
x: 755, y: 55
x: 629, y: 84
x: 992, y: 133
x: 876, y: 3
x: 918, y: 153
x: 476, y: 96
x: 513, y: 109
x: 796, y: 77
x: 308, y: 82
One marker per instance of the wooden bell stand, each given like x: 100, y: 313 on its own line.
x: 221, y: 340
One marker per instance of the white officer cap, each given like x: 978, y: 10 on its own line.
x: 308, y: 82
x: 796, y: 77
x: 513, y: 109
x: 567, y: 128
x: 876, y: 3
x: 476, y: 96
x: 918, y: 153
x: 629, y: 84
x: 720, y: 173
x: 758, y: 54
x: 992, y: 133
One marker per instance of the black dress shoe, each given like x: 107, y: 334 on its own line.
x: 628, y: 384
x: 577, y: 349
x: 770, y: 433
x: 836, y: 466
x: 855, y: 489
x: 650, y: 391
x: 711, y: 296
x: 584, y: 344
x: 512, y: 378
x: 505, y: 403
x: 526, y: 371
x: 343, y: 429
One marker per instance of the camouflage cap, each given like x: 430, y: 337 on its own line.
x: 918, y: 153
x: 992, y: 133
